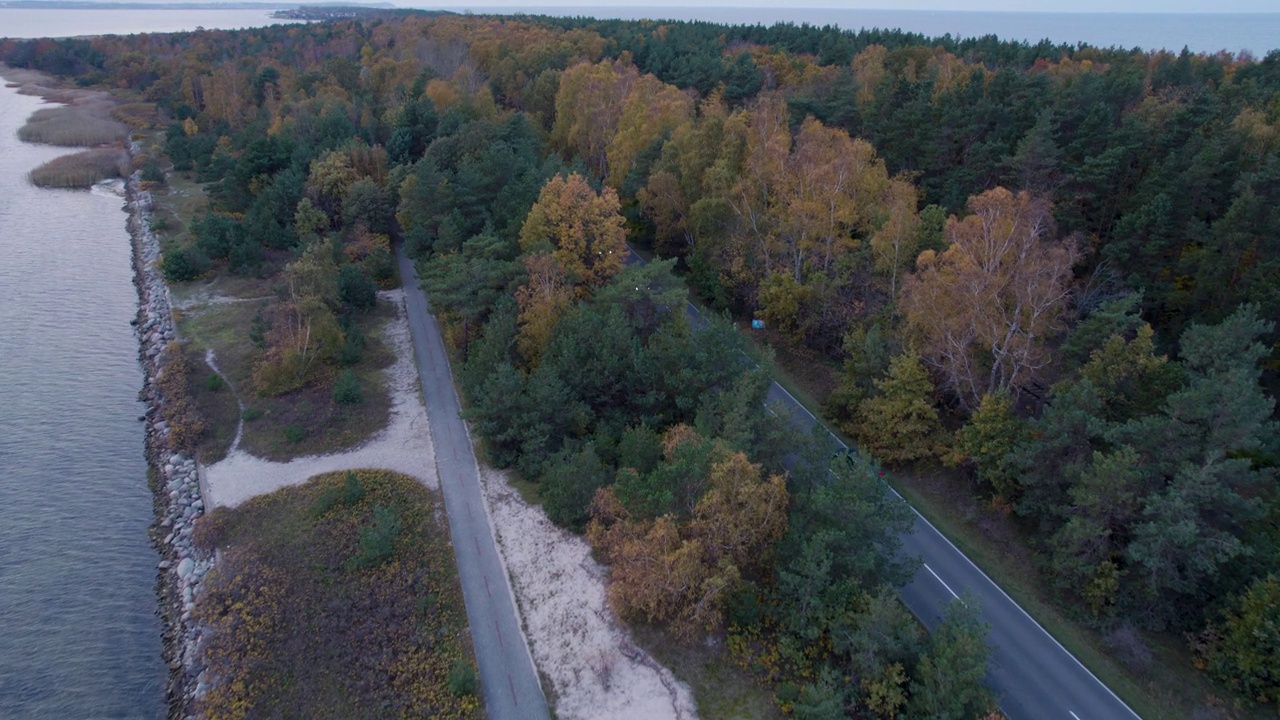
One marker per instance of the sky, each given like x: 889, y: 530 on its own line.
x: 1126, y: 6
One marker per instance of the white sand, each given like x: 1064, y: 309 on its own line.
x: 403, y: 446
x: 595, y: 669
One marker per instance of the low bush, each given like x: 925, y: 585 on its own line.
x: 295, y: 433
x: 462, y: 678
x: 184, y: 264
x: 346, y: 391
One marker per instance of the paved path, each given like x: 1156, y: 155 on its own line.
x: 507, y: 675
x: 1033, y: 676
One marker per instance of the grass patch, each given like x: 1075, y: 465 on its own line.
x: 306, y: 623
x: 81, y: 170
x: 721, y: 689
x: 82, y: 125
x: 217, y: 405
x: 303, y: 422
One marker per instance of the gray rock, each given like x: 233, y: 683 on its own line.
x: 185, y: 567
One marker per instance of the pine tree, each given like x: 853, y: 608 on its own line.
x: 900, y: 424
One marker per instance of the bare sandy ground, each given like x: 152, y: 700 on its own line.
x: 403, y: 446
x: 596, y: 671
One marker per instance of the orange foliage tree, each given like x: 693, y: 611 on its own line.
x: 662, y: 570
x: 584, y: 230
x: 981, y: 311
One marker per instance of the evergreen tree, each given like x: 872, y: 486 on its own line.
x: 900, y: 424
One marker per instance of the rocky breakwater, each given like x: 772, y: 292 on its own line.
x: 174, y: 477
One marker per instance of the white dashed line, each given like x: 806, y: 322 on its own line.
x: 948, y: 587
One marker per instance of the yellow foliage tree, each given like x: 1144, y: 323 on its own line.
x: 542, y: 300
x: 584, y: 230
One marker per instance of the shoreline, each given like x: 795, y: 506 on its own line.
x: 172, y: 476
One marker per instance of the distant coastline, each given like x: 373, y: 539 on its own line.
x: 94, y: 5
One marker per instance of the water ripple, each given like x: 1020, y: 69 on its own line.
x: 79, y: 637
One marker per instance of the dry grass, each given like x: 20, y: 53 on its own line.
x: 18, y: 77
x: 82, y: 169
x: 80, y: 125
x: 137, y: 115
x: 723, y: 690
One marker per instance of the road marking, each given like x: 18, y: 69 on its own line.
x: 490, y: 594
x: 1077, y: 717
x: 945, y: 585
x: 500, y: 642
x: 511, y: 684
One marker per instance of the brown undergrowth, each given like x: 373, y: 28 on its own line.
x: 335, y: 599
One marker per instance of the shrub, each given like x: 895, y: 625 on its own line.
x: 352, y: 343
x: 152, y: 173
x: 209, y: 530
x: 462, y: 678
x: 381, y: 266
x: 349, y: 494
x: 346, y: 391
x: 185, y: 424
x: 251, y: 413
x: 184, y: 264
x: 214, y: 382
x: 295, y: 433
x: 377, y: 541
x: 355, y: 289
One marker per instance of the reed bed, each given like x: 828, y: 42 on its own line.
x: 81, y: 170
x: 84, y: 125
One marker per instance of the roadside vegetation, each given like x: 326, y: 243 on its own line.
x: 335, y: 599
x: 1042, y: 276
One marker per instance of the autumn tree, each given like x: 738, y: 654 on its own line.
x: 651, y: 110
x: 542, y: 301
x: 589, y: 105
x: 665, y: 570
x: 584, y: 230
x: 983, y: 310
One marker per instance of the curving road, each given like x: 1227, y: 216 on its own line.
x: 1034, y: 677
x: 508, y: 679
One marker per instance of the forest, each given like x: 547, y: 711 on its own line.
x: 1048, y: 272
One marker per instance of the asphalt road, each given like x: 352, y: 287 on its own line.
x: 1034, y: 677
x: 508, y: 679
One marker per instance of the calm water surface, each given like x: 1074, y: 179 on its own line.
x: 41, y: 22
x: 79, y: 636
